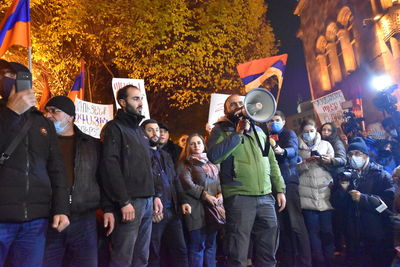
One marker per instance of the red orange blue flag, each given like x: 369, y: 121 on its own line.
x: 15, y: 26
x: 46, y: 93
x: 255, y: 72
x: 78, y: 88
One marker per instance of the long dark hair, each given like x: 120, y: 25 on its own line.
x: 185, y: 154
x: 334, y: 135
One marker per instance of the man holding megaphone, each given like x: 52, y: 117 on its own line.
x: 248, y: 178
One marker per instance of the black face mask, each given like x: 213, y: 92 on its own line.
x: 6, y: 85
x: 386, y: 153
x: 233, y: 118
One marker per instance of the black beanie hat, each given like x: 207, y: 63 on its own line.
x: 358, y: 144
x: 63, y: 103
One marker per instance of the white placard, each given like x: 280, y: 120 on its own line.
x: 217, y: 108
x: 329, y: 108
x: 118, y: 83
x: 90, y: 118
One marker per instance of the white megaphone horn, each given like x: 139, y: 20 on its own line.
x: 259, y: 105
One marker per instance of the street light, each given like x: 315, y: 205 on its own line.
x: 382, y: 82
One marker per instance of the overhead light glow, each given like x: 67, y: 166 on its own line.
x: 382, y: 82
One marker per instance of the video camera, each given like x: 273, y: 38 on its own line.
x: 348, y: 175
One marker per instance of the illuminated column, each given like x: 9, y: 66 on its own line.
x: 347, y: 50
x: 324, y: 74
x: 333, y: 59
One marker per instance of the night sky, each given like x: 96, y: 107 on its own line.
x: 295, y: 81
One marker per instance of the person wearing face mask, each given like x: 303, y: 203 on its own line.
x: 33, y: 186
x: 314, y: 190
x: 368, y: 231
x: 81, y: 155
x: 294, y: 248
x: 167, y: 237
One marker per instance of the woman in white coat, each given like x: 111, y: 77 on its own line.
x: 314, y: 190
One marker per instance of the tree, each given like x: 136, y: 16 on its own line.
x: 184, y: 49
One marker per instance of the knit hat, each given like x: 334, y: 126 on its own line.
x: 63, y: 103
x: 358, y: 144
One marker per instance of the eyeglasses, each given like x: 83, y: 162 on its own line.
x: 53, y: 110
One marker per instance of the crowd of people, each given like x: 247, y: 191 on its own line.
x: 134, y: 198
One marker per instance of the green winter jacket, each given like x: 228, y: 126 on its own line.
x: 244, y: 170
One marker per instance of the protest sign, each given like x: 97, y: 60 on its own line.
x: 329, y: 109
x: 90, y: 118
x: 217, y: 108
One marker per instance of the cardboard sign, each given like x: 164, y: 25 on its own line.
x: 329, y: 109
x: 90, y: 118
x: 118, y: 83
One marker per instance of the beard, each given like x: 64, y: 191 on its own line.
x: 232, y: 117
x: 154, y: 142
x: 132, y: 110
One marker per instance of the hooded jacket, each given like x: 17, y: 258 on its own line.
x: 244, y: 170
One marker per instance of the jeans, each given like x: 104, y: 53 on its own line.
x: 75, y: 246
x: 294, y: 248
x: 130, y: 241
x: 255, y: 216
x: 319, y: 225
x: 202, y: 248
x: 167, y: 235
x: 22, y: 244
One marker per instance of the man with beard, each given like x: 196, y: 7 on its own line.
x: 167, y: 230
x: 128, y: 181
x: 248, y: 180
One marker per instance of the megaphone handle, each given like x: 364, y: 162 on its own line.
x: 264, y: 150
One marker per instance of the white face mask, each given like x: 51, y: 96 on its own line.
x: 356, y: 162
x: 59, y: 126
x: 309, y: 136
x: 394, y: 133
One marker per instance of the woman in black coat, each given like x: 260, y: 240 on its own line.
x: 200, y: 181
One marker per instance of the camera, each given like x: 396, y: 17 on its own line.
x: 23, y: 81
x: 348, y: 175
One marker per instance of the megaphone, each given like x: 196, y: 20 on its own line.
x: 259, y: 105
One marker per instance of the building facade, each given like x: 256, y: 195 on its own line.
x: 346, y: 44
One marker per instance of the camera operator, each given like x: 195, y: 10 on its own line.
x: 367, y: 231
x: 33, y: 185
x: 247, y: 180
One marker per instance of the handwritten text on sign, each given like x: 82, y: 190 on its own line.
x: 329, y: 108
x: 90, y: 118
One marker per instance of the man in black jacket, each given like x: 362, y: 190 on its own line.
x: 77, y: 245
x: 167, y: 234
x: 294, y: 250
x: 128, y: 181
x: 32, y: 180
x: 368, y: 231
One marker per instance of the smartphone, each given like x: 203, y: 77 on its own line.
x: 23, y: 81
x: 315, y: 153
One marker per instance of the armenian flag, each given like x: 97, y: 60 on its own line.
x: 46, y: 93
x: 15, y: 26
x: 255, y: 72
x: 78, y: 88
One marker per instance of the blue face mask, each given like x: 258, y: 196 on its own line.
x: 356, y: 162
x: 309, y: 136
x: 394, y: 133
x: 59, y: 127
x: 6, y: 87
x: 276, y: 126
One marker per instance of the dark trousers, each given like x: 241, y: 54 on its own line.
x: 255, y: 216
x: 202, y: 248
x: 167, y: 236
x: 294, y: 247
x: 22, y: 244
x: 75, y: 246
x: 130, y: 241
x: 319, y: 226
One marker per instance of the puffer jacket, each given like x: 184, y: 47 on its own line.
x: 314, y: 177
x: 195, y: 181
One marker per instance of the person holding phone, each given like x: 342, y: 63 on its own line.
x: 314, y: 190
x: 33, y: 186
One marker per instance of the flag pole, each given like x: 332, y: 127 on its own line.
x: 30, y: 58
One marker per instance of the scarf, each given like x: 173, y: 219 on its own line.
x: 202, y: 160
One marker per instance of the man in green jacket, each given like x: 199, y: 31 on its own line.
x: 248, y: 181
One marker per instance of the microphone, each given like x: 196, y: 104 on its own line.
x: 273, y: 139
x: 254, y: 108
